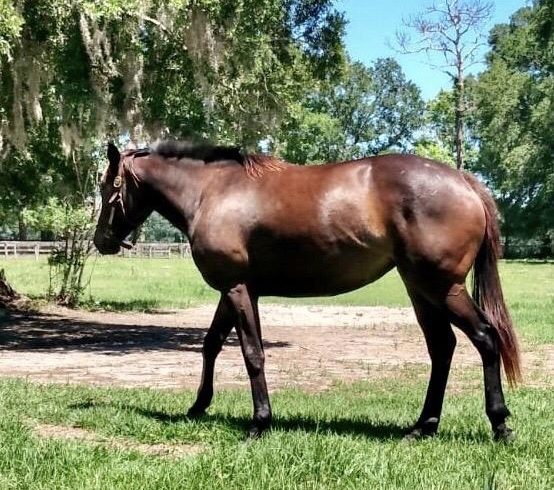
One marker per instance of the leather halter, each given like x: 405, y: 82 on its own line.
x: 116, y: 198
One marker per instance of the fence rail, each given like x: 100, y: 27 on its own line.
x: 13, y: 249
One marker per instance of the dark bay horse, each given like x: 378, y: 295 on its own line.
x: 258, y: 226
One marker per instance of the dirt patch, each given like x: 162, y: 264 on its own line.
x: 306, y: 346
x: 48, y: 431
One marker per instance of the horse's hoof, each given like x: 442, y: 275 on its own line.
x: 422, y: 431
x: 504, y: 434
x: 416, y: 435
x: 255, y: 432
x: 196, y: 413
x: 413, y: 435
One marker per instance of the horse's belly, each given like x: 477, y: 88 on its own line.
x: 309, y: 275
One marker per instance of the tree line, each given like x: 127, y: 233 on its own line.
x: 270, y: 76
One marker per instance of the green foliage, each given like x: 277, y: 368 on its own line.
x: 10, y: 26
x: 310, y: 136
x: 67, y: 263
x: 158, y: 229
x: 225, y: 69
x: 398, y: 107
x: 435, y: 151
x: 59, y: 218
x: 440, y: 114
x: 515, y: 98
x: 440, y: 135
x: 370, y: 110
x: 76, y: 71
x: 245, y: 65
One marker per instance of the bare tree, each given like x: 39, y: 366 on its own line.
x: 453, y: 29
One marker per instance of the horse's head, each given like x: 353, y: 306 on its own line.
x: 124, y: 205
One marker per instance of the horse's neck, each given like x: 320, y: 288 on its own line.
x: 177, y: 189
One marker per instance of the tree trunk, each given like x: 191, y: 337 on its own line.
x: 506, y: 251
x: 22, y: 227
x: 8, y: 296
x: 7, y: 293
x: 459, y: 121
x: 46, y: 236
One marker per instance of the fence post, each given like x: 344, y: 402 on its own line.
x: 37, y: 251
x: 150, y: 251
x: 5, y: 250
x: 15, y: 250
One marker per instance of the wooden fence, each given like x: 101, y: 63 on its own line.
x: 13, y: 249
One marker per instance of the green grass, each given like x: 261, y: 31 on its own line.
x: 316, y: 443
x: 529, y: 291
x: 117, y: 283
x: 143, y: 284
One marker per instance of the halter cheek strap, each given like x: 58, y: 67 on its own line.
x: 116, y: 198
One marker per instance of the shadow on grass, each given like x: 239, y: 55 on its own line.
x: 291, y: 423
x: 45, y: 332
x: 374, y: 429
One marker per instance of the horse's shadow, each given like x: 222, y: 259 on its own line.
x: 372, y: 430
x: 288, y: 423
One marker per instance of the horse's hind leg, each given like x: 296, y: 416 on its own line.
x: 441, y: 343
x: 467, y: 316
x: 222, y: 324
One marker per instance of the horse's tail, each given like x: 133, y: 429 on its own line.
x: 487, y: 291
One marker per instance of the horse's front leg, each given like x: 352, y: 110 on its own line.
x: 222, y: 323
x: 248, y: 330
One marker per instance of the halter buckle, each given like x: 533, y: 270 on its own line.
x: 117, y: 182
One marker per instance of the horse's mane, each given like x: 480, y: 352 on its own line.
x: 196, y: 151
x: 254, y: 165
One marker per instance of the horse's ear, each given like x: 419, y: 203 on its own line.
x: 113, y: 157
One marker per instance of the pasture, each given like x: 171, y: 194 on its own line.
x: 146, y: 285
x: 343, y: 434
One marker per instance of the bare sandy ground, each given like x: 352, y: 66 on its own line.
x: 306, y: 346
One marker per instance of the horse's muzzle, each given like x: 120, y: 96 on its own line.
x: 105, y: 244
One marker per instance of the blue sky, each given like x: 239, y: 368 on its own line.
x: 371, y: 23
